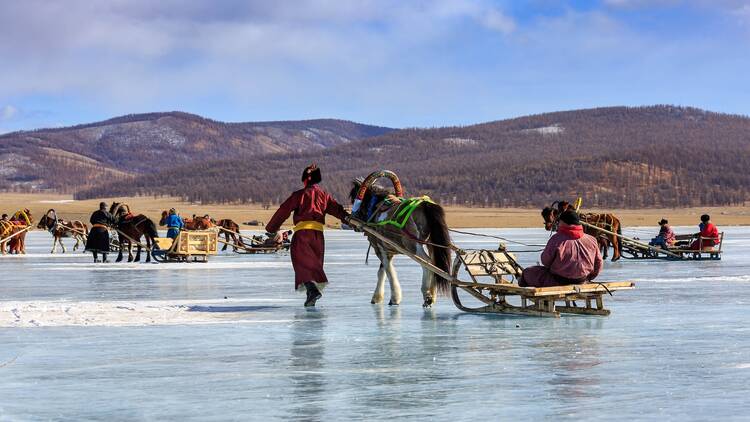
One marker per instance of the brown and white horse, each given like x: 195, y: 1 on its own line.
x: 424, y: 228
x: 607, y: 222
x: 60, y: 228
x: 130, y: 229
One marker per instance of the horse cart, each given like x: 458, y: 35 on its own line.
x: 188, y: 246
x: 493, y: 274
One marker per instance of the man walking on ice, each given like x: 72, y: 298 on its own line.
x: 310, y: 206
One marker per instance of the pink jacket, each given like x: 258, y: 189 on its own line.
x: 571, y: 254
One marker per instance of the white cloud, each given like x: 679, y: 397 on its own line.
x: 8, y: 112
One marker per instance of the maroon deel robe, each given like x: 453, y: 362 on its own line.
x: 570, y: 257
x: 308, y: 246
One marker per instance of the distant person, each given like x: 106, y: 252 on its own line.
x: 174, y: 224
x: 5, y: 218
x: 310, y: 206
x: 98, y: 239
x: 570, y: 257
x: 666, y: 238
x: 708, y: 236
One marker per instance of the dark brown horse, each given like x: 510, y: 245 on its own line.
x: 130, y: 229
x: 60, y: 228
x: 593, y: 221
x: 231, y: 231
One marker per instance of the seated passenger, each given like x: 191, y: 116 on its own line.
x: 665, y: 239
x: 708, y: 237
x: 570, y: 257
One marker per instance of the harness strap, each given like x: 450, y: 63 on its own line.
x: 404, y: 211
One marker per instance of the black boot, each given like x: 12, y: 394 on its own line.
x: 313, y: 294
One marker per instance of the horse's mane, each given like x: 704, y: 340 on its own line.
x: 378, y: 191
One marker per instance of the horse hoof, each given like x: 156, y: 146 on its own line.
x: 118, y: 260
x: 392, y: 303
x: 615, y: 259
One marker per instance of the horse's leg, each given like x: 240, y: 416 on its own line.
x: 226, y: 241
x: 429, y: 289
x: 393, y: 279
x: 62, y: 245
x: 616, y: 249
x: 54, y: 244
x: 148, y: 248
x: 379, y: 294
x: 120, y: 249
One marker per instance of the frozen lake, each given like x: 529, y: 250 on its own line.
x: 230, y: 340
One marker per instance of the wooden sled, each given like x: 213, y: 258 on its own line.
x: 494, y: 277
x: 635, y: 250
x: 494, y: 273
x: 189, y: 245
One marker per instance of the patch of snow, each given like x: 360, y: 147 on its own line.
x: 48, y: 313
x: 461, y: 141
x: 546, y: 130
x: 58, y: 201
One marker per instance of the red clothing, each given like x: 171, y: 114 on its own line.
x: 570, y: 257
x: 709, y: 231
x: 308, y: 246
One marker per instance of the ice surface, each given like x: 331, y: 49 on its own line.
x: 162, y: 342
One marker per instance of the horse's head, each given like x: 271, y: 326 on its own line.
x: 43, y: 223
x: 549, y: 215
x: 376, y: 192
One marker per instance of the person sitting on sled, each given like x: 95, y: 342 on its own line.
x: 666, y: 238
x: 570, y: 257
x: 708, y: 237
x: 309, y: 206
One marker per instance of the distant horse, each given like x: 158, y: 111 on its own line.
x: 130, y: 230
x: 17, y: 227
x: 60, y: 228
x: 607, y: 222
x: 231, y: 231
x: 423, y: 225
x: 195, y: 223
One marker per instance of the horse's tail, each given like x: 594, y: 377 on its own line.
x: 439, y: 236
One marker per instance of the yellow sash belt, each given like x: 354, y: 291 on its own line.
x: 309, y: 225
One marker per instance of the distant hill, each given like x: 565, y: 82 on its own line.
x: 615, y: 156
x: 72, y: 158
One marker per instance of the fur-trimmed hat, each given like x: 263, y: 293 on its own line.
x: 705, y: 218
x: 312, y: 174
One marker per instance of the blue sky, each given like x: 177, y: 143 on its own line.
x: 389, y: 62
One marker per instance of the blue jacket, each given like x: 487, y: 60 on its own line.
x: 174, y: 221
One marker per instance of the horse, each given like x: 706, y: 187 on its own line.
x: 59, y: 228
x: 130, y: 229
x: 604, y: 221
x: 423, y: 226
x: 20, y: 223
x: 195, y: 223
x: 231, y: 231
